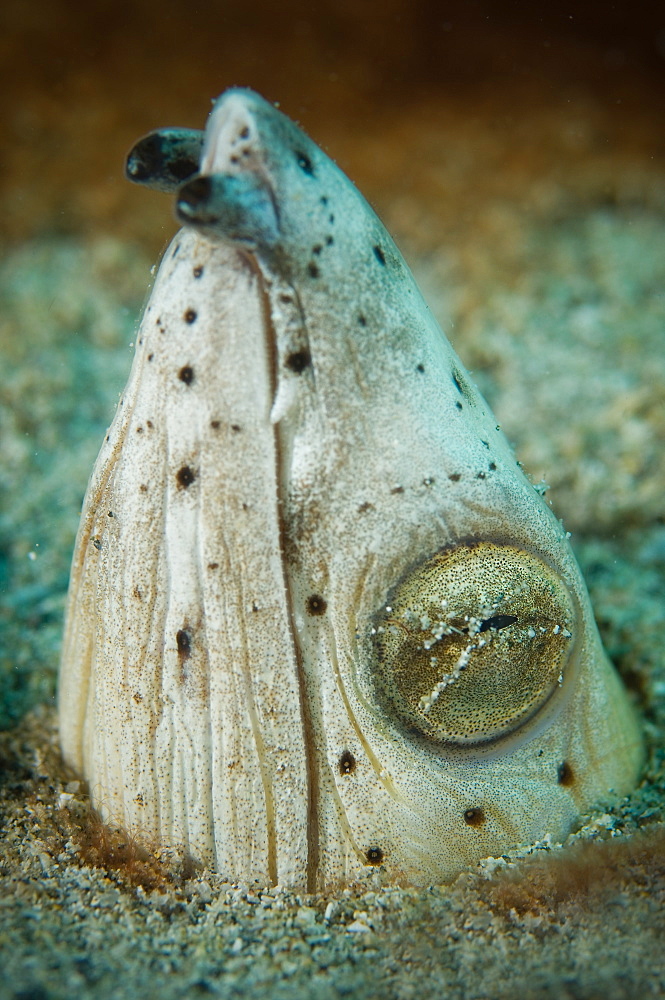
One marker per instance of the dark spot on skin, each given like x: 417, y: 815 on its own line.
x: 397, y: 489
x: 244, y: 134
x: 108, y: 437
x: 150, y: 357
x: 374, y: 855
x: 380, y: 256
x: 454, y: 477
x: 364, y: 507
x: 139, y: 430
x: 458, y: 384
x: 484, y: 443
x: 428, y: 481
x: 323, y: 199
x: 474, y: 817
x: 362, y: 320
x: 347, y: 763
x: 214, y: 424
x: 185, y: 477
x: 190, y: 316
x: 492, y: 466
x: 198, y: 271
x: 149, y: 424
x: 331, y: 219
x: 459, y: 405
x: 287, y: 299
x: 480, y: 475
x: 316, y: 605
x: 186, y: 374
x: 143, y: 488
x: 255, y: 607
x: 420, y: 369
x: 564, y: 774
x: 213, y: 565
x: 97, y: 542
x: 111, y: 514
x: 184, y: 643
x: 329, y: 241
x: 298, y: 361
x: 236, y: 428
x: 313, y: 270
x: 305, y: 164
x: 158, y: 321
x: 317, y: 249
x: 176, y: 250
x: 137, y: 594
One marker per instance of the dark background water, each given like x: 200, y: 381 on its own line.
x: 81, y: 81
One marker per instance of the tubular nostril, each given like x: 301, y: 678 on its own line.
x: 165, y: 158
x: 194, y: 193
x: 144, y: 159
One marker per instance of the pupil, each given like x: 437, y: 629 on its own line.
x: 497, y: 622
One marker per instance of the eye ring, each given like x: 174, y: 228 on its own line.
x: 473, y: 643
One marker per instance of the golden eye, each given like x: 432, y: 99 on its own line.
x: 474, y: 642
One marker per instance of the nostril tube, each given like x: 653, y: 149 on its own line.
x: 165, y: 158
x: 194, y: 194
x: 144, y: 159
x: 198, y: 189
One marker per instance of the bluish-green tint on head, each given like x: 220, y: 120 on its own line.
x: 322, y: 217
x: 236, y: 207
x: 330, y: 624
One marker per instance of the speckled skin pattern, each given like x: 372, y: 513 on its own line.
x: 297, y: 440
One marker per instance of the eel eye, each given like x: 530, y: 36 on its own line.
x: 474, y: 642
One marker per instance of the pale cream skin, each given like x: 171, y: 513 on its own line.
x: 298, y: 463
